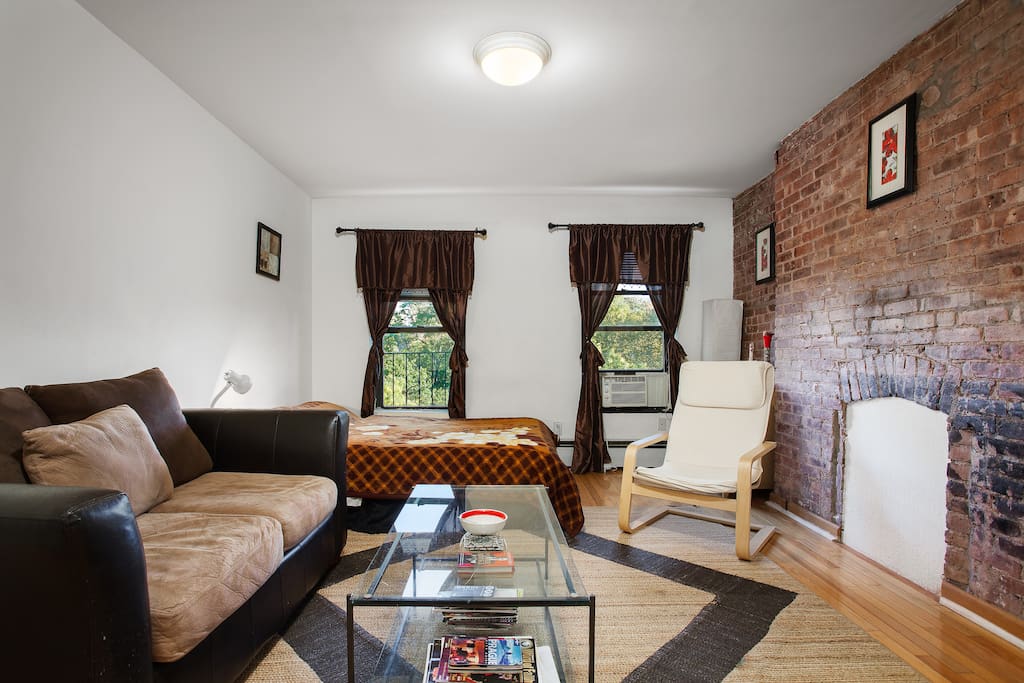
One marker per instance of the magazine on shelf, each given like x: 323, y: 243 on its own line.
x: 468, y: 591
x: 494, y: 653
x: 481, y: 615
x: 443, y: 652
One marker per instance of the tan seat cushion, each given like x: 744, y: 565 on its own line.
x: 200, y: 569
x: 111, y: 449
x: 298, y: 502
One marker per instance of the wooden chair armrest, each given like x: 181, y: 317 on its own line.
x: 745, y: 468
x: 629, y: 461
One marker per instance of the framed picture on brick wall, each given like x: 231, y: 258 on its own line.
x: 764, y: 254
x: 892, y: 147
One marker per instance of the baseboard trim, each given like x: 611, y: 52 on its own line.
x: 804, y: 517
x: 990, y: 618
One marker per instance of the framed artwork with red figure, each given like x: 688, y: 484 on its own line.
x: 892, y: 152
x: 764, y: 254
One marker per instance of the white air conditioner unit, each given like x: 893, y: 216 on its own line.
x: 646, y: 390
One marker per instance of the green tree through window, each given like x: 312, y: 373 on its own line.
x: 630, y: 336
x: 415, y: 368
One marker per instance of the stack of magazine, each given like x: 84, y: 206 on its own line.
x: 480, y: 614
x: 485, y: 555
x: 481, y: 659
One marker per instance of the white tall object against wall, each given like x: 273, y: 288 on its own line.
x: 722, y: 329
x: 894, y: 504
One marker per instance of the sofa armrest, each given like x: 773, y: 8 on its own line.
x: 75, y: 598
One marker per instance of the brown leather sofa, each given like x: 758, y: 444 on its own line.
x: 73, y: 575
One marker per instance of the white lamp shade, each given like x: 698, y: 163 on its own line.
x: 239, y: 382
x: 512, y: 58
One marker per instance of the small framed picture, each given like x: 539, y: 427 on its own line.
x: 268, y: 251
x: 892, y: 152
x: 764, y: 254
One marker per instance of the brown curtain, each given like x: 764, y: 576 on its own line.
x: 380, y: 306
x: 451, y: 311
x: 600, y: 258
x: 590, y: 450
x: 440, y: 261
x: 668, y: 304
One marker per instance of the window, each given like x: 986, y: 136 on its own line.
x: 630, y: 336
x: 415, y: 372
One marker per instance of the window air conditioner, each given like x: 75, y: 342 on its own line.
x: 647, y: 390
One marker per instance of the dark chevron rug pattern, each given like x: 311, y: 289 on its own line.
x: 715, y: 625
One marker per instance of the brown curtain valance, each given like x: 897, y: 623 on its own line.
x: 414, y: 259
x: 630, y: 254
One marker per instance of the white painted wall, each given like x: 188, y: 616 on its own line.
x: 128, y: 218
x: 894, y: 503
x: 523, y: 323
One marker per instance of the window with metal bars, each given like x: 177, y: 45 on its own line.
x: 414, y: 368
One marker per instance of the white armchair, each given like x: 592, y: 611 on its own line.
x: 714, y: 451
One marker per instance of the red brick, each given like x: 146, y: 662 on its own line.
x: 956, y: 335
x: 1013, y: 332
x: 983, y: 316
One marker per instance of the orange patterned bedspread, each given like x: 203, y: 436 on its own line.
x: 388, y: 455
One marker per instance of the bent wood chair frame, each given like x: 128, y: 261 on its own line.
x: 746, y: 547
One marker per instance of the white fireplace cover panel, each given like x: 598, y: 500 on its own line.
x: 894, y: 504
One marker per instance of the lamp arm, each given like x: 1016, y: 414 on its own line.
x: 219, y: 394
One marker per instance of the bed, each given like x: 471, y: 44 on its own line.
x: 389, y: 454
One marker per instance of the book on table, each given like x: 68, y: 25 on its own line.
x: 499, y: 562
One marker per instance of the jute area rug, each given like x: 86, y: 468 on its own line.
x: 673, y: 605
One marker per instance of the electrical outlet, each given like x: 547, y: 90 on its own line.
x: 556, y: 427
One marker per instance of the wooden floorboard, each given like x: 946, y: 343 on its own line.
x: 937, y: 642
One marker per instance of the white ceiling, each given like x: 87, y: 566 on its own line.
x: 679, y: 96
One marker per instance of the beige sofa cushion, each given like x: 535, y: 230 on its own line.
x: 151, y: 396
x: 200, y: 569
x: 111, y: 449
x: 298, y: 502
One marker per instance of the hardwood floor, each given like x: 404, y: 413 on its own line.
x: 937, y: 642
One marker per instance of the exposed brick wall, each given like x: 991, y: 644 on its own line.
x: 937, y: 275
x: 751, y: 211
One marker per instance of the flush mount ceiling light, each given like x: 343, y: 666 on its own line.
x: 512, y: 57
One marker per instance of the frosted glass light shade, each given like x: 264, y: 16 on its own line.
x: 512, y: 58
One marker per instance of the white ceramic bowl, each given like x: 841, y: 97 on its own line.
x: 483, y: 522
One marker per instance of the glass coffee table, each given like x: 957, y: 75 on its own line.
x: 421, y: 593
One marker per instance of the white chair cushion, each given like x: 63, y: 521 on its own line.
x: 711, y: 434
x: 697, y: 478
x: 740, y: 385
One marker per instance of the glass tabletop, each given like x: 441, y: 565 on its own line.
x: 423, y: 558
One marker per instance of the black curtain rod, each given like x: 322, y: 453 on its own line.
x: 478, y: 231
x: 699, y: 227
